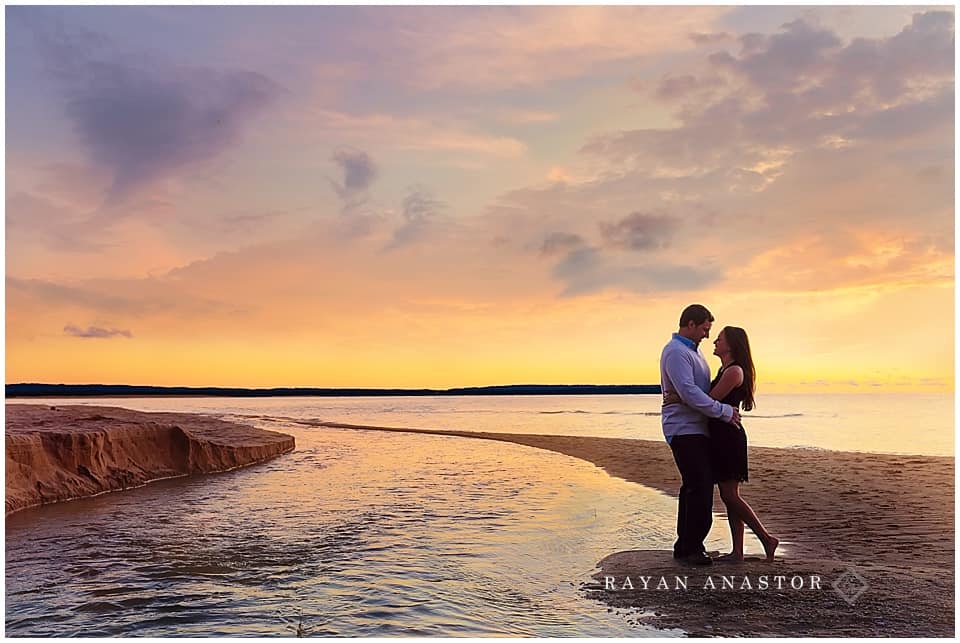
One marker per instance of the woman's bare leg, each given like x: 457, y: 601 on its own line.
x: 736, y: 505
x: 736, y: 536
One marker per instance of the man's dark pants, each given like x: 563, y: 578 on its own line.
x: 695, y: 515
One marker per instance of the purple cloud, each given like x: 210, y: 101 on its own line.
x: 640, y: 231
x: 784, y: 59
x: 359, y: 171
x: 95, y: 332
x: 796, y: 89
x: 674, y: 87
x: 557, y: 242
x: 140, y: 118
x: 420, y: 209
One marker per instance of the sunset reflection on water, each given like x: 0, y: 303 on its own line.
x: 366, y: 533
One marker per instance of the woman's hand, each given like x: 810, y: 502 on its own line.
x: 671, y: 397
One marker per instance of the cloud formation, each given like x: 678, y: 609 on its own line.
x: 359, y: 171
x: 677, y: 87
x: 761, y: 172
x: 557, y: 242
x: 640, y: 231
x: 486, y: 49
x: 768, y: 160
x: 133, y: 298
x: 710, y: 38
x: 797, y: 89
x: 141, y: 118
x: 95, y: 332
x: 419, y: 211
x: 358, y: 168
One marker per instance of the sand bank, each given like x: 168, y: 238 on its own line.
x: 887, y: 518
x: 66, y: 452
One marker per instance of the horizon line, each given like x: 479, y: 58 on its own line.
x: 37, y: 389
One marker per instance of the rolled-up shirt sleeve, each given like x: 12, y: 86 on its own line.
x: 681, y: 376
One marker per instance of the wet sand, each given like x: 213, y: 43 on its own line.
x: 854, y: 519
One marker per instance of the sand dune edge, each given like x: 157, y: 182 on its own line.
x: 59, y: 453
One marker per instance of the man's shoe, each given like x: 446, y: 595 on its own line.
x: 699, y: 558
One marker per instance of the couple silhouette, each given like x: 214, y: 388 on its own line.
x: 701, y: 423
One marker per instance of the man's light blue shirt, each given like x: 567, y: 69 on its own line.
x: 684, y: 371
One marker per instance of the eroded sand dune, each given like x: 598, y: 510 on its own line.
x: 66, y: 452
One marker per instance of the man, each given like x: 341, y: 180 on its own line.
x: 685, y: 381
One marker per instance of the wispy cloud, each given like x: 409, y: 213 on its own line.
x: 420, y: 210
x: 135, y: 298
x: 95, y: 332
x: 490, y: 49
x: 710, y: 38
x: 557, y: 242
x: 425, y: 134
x: 85, y: 297
x: 587, y: 270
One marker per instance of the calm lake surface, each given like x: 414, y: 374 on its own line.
x: 368, y: 533
x: 920, y: 424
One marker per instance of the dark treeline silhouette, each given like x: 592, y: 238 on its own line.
x: 103, y: 390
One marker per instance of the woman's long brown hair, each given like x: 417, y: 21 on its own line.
x: 740, y: 350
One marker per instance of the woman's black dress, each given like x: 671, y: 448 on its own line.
x: 728, y: 443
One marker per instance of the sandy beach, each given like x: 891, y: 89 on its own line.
x: 877, y: 527
x: 887, y: 518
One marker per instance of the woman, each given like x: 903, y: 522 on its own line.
x: 734, y: 385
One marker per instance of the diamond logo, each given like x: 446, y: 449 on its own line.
x: 850, y: 586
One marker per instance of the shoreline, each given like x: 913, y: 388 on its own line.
x: 877, y: 515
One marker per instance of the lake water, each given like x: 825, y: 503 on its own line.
x: 368, y: 533
x: 921, y: 424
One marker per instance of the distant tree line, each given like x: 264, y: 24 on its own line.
x: 108, y: 390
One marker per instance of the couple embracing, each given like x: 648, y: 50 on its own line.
x: 701, y: 422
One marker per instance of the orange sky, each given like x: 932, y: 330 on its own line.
x: 441, y: 197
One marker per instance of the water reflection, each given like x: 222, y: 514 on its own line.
x: 364, y: 533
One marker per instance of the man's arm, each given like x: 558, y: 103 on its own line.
x: 680, y: 371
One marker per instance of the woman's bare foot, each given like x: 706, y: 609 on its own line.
x: 732, y: 557
x: 770, y: 547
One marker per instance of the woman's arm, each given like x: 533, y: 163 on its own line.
x: 679, y: 370
x: 731, y: 379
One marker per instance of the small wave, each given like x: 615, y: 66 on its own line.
x: 556, y: 412
x: 98, y: 607
x: 578, y: 412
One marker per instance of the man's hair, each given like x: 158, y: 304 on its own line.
x: 695, y: 313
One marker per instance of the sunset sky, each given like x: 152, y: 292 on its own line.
x: 438, y: 197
